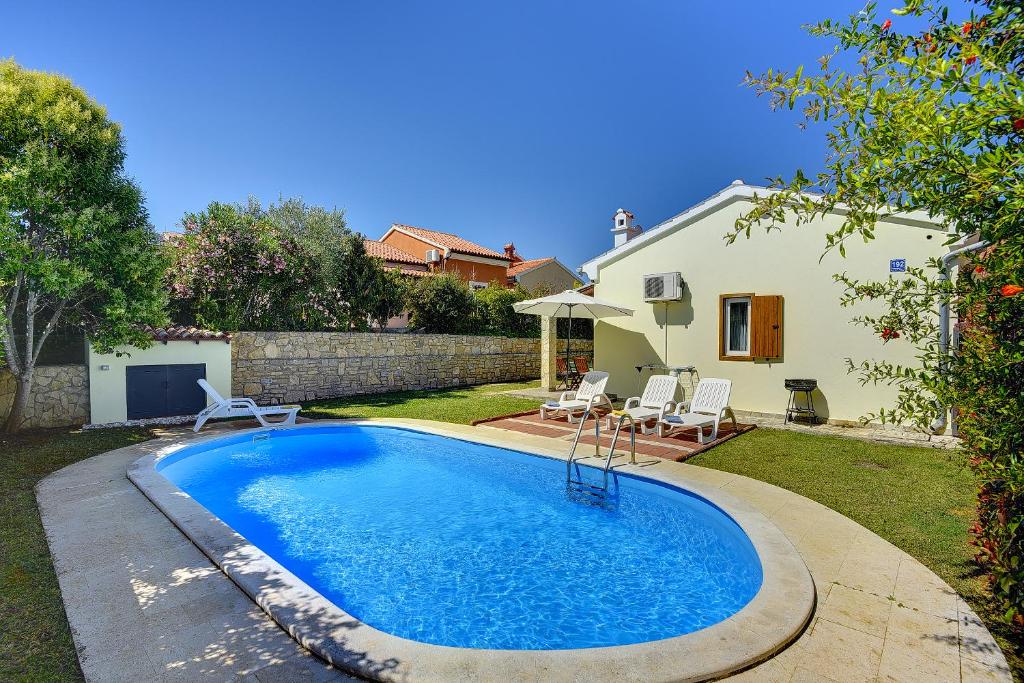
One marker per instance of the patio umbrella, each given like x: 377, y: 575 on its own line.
x: 570, y: 304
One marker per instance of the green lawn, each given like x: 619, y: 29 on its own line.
x: 920, y: 499
x: 463, y: 405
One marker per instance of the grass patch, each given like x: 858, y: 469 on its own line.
x: 36, y: 644
x: 461, y: 405
x: 919, y: 499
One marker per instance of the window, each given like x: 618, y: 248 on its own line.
x: 622, y: 221
x: 750, y: 326
x: 737, y: 326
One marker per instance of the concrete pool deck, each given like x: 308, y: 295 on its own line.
x: 145, y: 604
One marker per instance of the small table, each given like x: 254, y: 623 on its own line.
x: 674, y: 370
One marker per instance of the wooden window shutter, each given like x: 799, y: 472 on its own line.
x: 766, y: 326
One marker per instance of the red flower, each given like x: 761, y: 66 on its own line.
x: 888, y: 334
x: 1018, y: 124
x: 967, y: 27
x: 971, y: 60
x: 887, y: 24
x: 1011, y: 290
x: 979, y: 269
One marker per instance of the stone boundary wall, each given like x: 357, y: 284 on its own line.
x: 283, y: 367
x: 60, y: 396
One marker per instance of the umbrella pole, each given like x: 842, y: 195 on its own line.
x: 568, y: 340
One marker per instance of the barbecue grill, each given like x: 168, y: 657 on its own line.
x: 793, y: 408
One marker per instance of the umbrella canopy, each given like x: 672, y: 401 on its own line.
x: 571, y: 304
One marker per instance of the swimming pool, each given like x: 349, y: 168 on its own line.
x: 455, y: 543
x: 392, y: 503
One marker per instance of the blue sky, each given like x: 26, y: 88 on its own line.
x: 523, y: 121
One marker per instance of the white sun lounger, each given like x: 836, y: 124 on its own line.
x: 709, y: 404
x: 241, y: 407
x: 589, y: 394
x: 658, y: 399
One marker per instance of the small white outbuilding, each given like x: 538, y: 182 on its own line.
x: 159, y: 383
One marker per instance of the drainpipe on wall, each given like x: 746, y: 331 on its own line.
x: 945, y: 262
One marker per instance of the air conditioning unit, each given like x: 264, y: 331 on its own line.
x: 433, y: 255
x: 663, y: 287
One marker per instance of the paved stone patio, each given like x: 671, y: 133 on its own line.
x: 145, y: 604
x: 870, y: 432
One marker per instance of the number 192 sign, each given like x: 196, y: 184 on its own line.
x: 898, y: 265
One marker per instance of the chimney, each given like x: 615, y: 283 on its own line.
x: 622, y: 227
x: 510, y: 253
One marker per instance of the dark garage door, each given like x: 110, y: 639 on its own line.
x: 164, y: 390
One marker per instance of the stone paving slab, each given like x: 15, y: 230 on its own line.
x: 145, y: 604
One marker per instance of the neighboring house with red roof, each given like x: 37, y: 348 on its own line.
x: 445, y: 252
x: 418, y: 251
x: 407, y: 264
x: 545, y: 274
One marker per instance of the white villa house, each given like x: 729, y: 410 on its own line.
x: 758, y: 312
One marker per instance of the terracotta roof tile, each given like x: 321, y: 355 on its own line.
x: 523, y: 266
x: 413, y: 272
x: 390, y: 253
x: 185, y: 333
x: 450, y: 241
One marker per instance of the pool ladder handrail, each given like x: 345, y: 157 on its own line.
x: 597, y: 448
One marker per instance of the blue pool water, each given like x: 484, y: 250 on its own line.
x: 455, y: 543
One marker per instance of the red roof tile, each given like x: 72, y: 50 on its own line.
x: 390, y: 253
x: 413, y: 272
x: 450, y: 241
x: 185, y: 333
x: 523, y: 266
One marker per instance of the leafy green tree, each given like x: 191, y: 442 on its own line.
x: 442, y: 304
x: 388, y: 297
x: 76, y: 246
x: 931, y: 118
x: 494, y: 306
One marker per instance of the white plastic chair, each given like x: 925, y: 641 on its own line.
x: 240, y: 407
x: 589, y: 394
x: 709, y: 404
x: 658, y: 399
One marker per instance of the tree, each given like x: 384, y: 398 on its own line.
x: 76, y: 246
x: 288, y: 267
x: 443, y: 304
x: 931, y: 118
x: 388, y: 297
x: 494, y: 305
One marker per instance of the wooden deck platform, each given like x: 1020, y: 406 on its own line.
x: 678, y: 446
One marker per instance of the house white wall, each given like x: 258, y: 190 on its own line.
x: 108, y: 375
x: 817, y: 333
